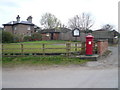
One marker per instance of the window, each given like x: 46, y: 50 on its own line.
x: 28, y: 28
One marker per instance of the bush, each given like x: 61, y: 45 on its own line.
x: 27, y: 38
x: 7, y: 37
x: 36, y: 37
x: 33, y: 37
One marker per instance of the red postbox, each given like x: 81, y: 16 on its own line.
x: 89, y: 44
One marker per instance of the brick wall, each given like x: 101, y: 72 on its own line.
x: 8, y: 29
x: 102, y: 46
x: 23, y: 29
x: 55, y: 36
x: 44, y: 37
x: 20, y: 29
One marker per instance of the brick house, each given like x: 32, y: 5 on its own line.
x: 50, y: 34
x: 24, y: 28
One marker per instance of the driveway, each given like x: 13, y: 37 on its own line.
x: 96, y: 74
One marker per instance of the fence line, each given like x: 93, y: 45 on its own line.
x: 42, y: 49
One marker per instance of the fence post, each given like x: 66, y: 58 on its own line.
x: 68, y: 47
x: 22, y: 49
x: 95, y: 48
x: 75, y: 47
x: 2, y: 48
x: 83, y: 48
x: 43, y: 48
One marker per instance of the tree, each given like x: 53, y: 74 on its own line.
x: 108, y: 27
x: 7, y: 37
x: 83, y: 22
x: 49, y: 21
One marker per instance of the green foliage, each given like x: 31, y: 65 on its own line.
x: 42, y: 60
x: 27, y: 38
x: 7, y: 37
x: 33, y: 37
x: 36, y: 37
x: 0, y: 36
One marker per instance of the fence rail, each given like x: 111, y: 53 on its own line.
x: 43, y: 49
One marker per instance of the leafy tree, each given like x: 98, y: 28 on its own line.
x: 82, y: 21
x: 7, y: 37
x: 49, y: 21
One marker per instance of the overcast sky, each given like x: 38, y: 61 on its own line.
x: 102, y: 11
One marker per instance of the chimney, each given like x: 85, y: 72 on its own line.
x: 18, y: 18
x: 29, y: 19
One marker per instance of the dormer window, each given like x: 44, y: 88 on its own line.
x: 28, y: 28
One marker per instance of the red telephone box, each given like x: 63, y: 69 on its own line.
x: 89, y: 44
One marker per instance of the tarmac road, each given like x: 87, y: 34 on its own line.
x: 96, y: 74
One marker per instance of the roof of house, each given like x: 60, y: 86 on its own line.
x: 16, y: 22
x: 63, y: 30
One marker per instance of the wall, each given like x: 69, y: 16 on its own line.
x: 8, y: 29
x: 55, y: 36
x: 23, y: 29
x: 44, y: 37
x: 102, y: 46
x: 68, y: 36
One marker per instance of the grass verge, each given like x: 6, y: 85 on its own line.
x: 43, y: 60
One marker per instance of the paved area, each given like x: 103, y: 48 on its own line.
x: 96, y: 74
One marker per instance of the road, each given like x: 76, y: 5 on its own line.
x: 95, y: 74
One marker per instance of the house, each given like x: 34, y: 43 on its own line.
x: 102, y: 34
x: 61, y: 34
x: 52, y: 34
x: 18, y: 27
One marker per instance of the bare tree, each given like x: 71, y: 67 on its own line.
x: 49, y: 21
x: 83, y: 22
x: 108, y: 27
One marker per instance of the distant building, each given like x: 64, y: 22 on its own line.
x: 102, y: 34
x: 21, y: 27
x: 61, y: 34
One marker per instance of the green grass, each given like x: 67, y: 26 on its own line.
x: 35, y: 47
x: 43, y: 60
x: 47, y: 42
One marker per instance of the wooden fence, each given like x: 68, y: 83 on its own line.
x: 43, y: 49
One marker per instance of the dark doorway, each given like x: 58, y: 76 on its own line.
x: 52, y: 36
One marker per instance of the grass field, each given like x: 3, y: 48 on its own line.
x: 41, y: 60
x: 36, y: 47
x: 34, y: 61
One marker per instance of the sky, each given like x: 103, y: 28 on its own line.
x: 102, y: 11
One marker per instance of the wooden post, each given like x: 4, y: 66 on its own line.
x: 75, y: 47
x: 95, y: 48
x: 22, y: 49
x: 2, y: 48
x: 83, y: 48
x: 68, y: 47
x: 43, y: 48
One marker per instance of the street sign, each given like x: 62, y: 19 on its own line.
x: 76, y: 32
